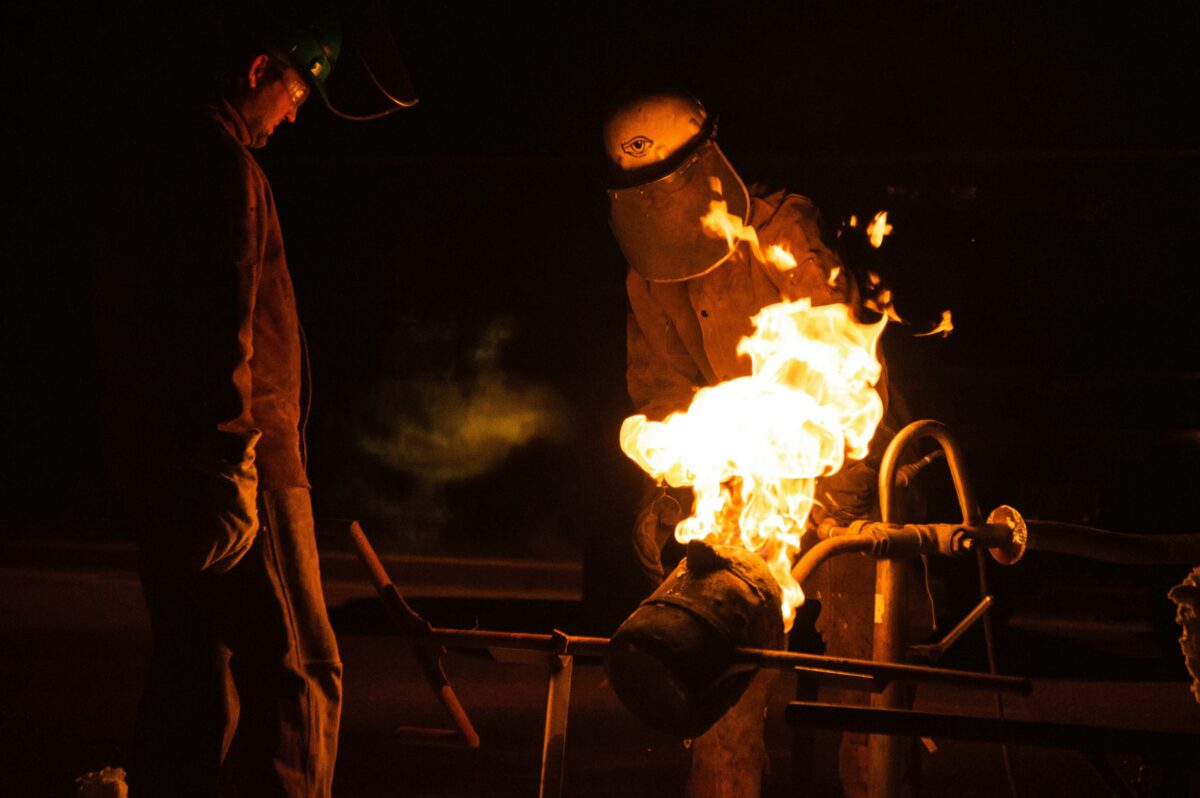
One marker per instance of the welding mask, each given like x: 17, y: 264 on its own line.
x: 665, y: 170
x: 672, y: 662
x: 376, y: 77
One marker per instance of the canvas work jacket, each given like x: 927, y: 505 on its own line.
x: 200, y: 343
x: 683, y: 336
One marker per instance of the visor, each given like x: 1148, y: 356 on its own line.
x: 658, y: 224
x: 378, y: 76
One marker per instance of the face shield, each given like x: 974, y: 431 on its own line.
x: 658, y: 224
x: 373, y: 84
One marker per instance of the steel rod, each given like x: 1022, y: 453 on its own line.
x: 594, y: 647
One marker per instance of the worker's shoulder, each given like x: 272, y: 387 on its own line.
x: 773, y: 205
x: 230, y: 158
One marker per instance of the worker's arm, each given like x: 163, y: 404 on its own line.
x: 661, y: 375
x: 216, y: 433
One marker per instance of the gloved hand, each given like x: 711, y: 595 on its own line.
x: 846, y: 496
x: 655, y: 526
x: 221, y: 501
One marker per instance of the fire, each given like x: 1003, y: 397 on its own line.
x: 752, y: 447
x: 944, y: 327
x: 878, y: 228
x: 721, y: 223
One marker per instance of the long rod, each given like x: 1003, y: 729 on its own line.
x: 595, y: 647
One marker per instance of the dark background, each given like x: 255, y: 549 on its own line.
x: 1039, y: 167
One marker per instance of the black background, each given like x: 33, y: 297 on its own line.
x: 1039, y: 167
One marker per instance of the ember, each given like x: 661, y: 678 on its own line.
x: 878, y: 228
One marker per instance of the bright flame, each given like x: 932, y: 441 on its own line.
x: 778, y: 254
x: 945, y: 327
x: 752, y: 447
x: 878, y: 228
x: 723, y: 224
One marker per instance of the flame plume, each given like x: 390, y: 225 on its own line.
x: 752, y: 447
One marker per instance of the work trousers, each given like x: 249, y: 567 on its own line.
x: 244, y: 691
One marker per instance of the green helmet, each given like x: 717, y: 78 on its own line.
x: 313, y: 51
x: 313, y: 47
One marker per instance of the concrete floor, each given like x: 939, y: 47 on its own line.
x: 76, y: 644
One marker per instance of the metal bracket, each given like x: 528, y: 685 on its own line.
x: 932, y: 652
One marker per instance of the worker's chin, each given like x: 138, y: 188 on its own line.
x: 259, y: 138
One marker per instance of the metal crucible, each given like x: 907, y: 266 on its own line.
x: 672, y: 662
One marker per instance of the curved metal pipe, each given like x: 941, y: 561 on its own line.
x: 831, y: 547
x: 927, y: 428
x: 888, y: 644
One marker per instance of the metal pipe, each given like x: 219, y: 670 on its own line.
x: 594, y: 647
x: 479, y: 638
x: 888, y: 644
x: 887, y: 671
x: 1100, y: 544
x: 826, y: 549
x: 935, y: 651
x: 928, y: 428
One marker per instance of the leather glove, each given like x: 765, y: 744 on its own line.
x: 846, y: 496
x: 654, y: 527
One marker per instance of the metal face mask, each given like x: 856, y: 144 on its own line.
x: 658, y: 223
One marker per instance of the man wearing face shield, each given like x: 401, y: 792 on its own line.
x: 206, y: 391
x: 691, y: 298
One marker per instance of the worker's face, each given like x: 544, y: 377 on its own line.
x: 274, y: 93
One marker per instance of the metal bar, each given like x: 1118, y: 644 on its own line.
x: 554, y: 737
x: 425, y: 648
x: 592, y: 647
x: 935, y: 651
x: 1176, y: 748
x: 838, y: 679
x: 891, y: 671
x: 888, y: 642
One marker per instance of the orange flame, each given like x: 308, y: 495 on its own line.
x: 878, y: 228
x: 945, y: 327
x: 752, y: 447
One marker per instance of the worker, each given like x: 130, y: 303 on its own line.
x: 691, y: 299
x: 205, y: 401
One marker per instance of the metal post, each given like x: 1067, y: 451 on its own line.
x: 888, y: 642
x: 884, y: 751
x: 554, y: 737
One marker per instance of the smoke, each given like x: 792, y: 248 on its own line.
x: 447, y: 429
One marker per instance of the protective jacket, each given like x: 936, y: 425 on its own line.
x: 683, y: 336
x: 201, y: 347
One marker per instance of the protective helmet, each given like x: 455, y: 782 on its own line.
x: 665, y: 171
x: 312, y: 47
x: 312, y: 50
